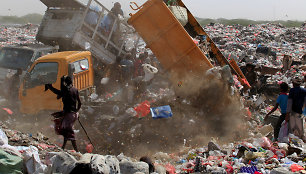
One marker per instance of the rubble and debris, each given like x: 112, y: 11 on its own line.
x: 17, y: 34
x: 251, y: 147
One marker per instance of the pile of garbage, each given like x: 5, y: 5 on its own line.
x: 254, y: 155
x: 17, y: 34
x: 264, y: 44
x: 252, y: 152
x: 22, y: 153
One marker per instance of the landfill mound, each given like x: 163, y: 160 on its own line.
x: 213, y: 129
x: 22, y: 153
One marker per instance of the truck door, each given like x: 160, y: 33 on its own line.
x: 33, y: 96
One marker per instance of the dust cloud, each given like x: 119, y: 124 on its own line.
x: 204, y: 110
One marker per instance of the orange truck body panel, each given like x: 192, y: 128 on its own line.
x: 168, y: 40
x: 172, y: 44
x: 37, y: 99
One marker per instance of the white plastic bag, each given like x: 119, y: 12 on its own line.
x: 129, y: 45
x: 32, y: 161
x: 3, y: 138
x: 149, y: 72
x: 180, y: 13
x: 283, y: 132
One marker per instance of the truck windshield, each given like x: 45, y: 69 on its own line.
x: 43, y: 73
x: 15, y: 58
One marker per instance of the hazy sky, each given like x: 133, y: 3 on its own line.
x: 230, y: 9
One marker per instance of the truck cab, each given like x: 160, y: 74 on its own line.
x: 48, y: 70
x: 17, y: 57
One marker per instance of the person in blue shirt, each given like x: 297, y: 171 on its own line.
x: 282, y: 103
x: 109, y: 19
x: 92, y: 16
x: 296, y: 102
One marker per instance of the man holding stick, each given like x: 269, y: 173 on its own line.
x: 72, y: 104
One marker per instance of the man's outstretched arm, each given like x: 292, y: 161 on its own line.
x: 54, y: 90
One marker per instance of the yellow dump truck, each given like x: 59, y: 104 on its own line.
x: 48, y: 70
x: 172, y: 43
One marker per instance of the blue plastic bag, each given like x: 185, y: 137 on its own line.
x: 161, y: 112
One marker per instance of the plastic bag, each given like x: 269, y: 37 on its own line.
x: 32, y: 161
x: 161, y: 112
x: 296, y: 168
x: 180, y: 13
x: 283, y: 132
x: 143, y: 109
x: 116, y: 109
x: 3, y: 138
x: 10, y: 163
x: 149, y: 72
x: 131, y: 112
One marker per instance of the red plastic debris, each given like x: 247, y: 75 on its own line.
x: 245, y: 82
x: 8, y: 111
x: 256, y: 172
x: 89, y: 148
x: 229, y: 169
x: 170, y: 168
x: 248, y: 112
x: 108, y: 96
x: 296, y: 168
x: 195, y: 41
x: 143, y: 109
x: 45, y: 146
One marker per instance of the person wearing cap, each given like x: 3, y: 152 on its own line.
x: 296, y: 102
x: 72, y: 104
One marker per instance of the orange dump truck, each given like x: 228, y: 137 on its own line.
x: 173, y: 44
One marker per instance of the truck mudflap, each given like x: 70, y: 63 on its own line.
x: 169, y: 41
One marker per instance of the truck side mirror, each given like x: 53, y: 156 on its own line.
x: 25, y: 83
x: 26, y: 80
x: 71, y: 70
